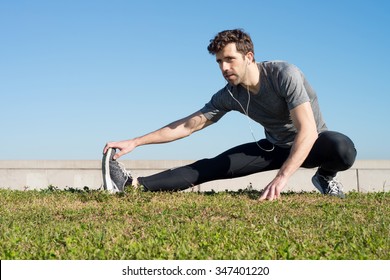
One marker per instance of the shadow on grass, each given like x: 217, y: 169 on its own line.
x: 248, y: 192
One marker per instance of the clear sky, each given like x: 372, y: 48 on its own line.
x: 76, y: 74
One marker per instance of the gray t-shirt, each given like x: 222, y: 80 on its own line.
x: 282, y: 87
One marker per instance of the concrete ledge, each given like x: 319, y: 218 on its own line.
x: 364, y: 176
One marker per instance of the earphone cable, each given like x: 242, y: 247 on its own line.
x: 246, y: 112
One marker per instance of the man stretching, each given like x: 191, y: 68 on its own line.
x: 274, y: 94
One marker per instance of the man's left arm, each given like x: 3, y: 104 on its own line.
x: 303, y: 120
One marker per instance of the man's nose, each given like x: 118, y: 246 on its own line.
x: 224, y: 66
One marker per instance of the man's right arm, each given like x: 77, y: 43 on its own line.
x: 171, y: 132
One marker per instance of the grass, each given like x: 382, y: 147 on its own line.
x: 90, y: 224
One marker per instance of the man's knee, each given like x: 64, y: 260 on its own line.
x: 346, y: 151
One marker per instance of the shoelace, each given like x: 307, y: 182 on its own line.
x: 123, y: 169
x: 334, y: 186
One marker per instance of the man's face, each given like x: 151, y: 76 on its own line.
x: 232, y: 64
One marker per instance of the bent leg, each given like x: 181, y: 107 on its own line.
x: 237, y: 162
x: 332, y: 152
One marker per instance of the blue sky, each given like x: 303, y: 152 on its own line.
x: 76, y: 74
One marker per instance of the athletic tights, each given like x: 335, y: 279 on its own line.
x: 332, y: 152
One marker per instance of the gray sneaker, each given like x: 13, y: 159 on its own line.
x: 328, y: 185
x: 115, y: 176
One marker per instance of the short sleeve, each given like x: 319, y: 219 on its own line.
x: 217, y: 107
x: 291, y: 86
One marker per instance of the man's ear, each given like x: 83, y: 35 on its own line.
x: 249, y: 57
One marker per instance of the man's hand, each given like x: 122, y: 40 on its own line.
x: 303, y: 119
x: 273, y: 189
x: 124, y: 147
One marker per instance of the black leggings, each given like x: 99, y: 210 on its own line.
x: 332, y: 152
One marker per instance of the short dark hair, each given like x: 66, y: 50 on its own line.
x: 242, y: 40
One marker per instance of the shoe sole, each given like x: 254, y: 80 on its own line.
x: 107, y: 182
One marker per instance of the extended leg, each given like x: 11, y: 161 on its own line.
x: 237, y: 162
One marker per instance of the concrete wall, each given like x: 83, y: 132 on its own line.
x: 364, y: 176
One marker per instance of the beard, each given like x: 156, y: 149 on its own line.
x: 234, y: 79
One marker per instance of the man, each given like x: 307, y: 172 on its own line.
x: 276, y: 95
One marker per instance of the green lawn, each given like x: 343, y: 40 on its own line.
x: 71, y: 224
